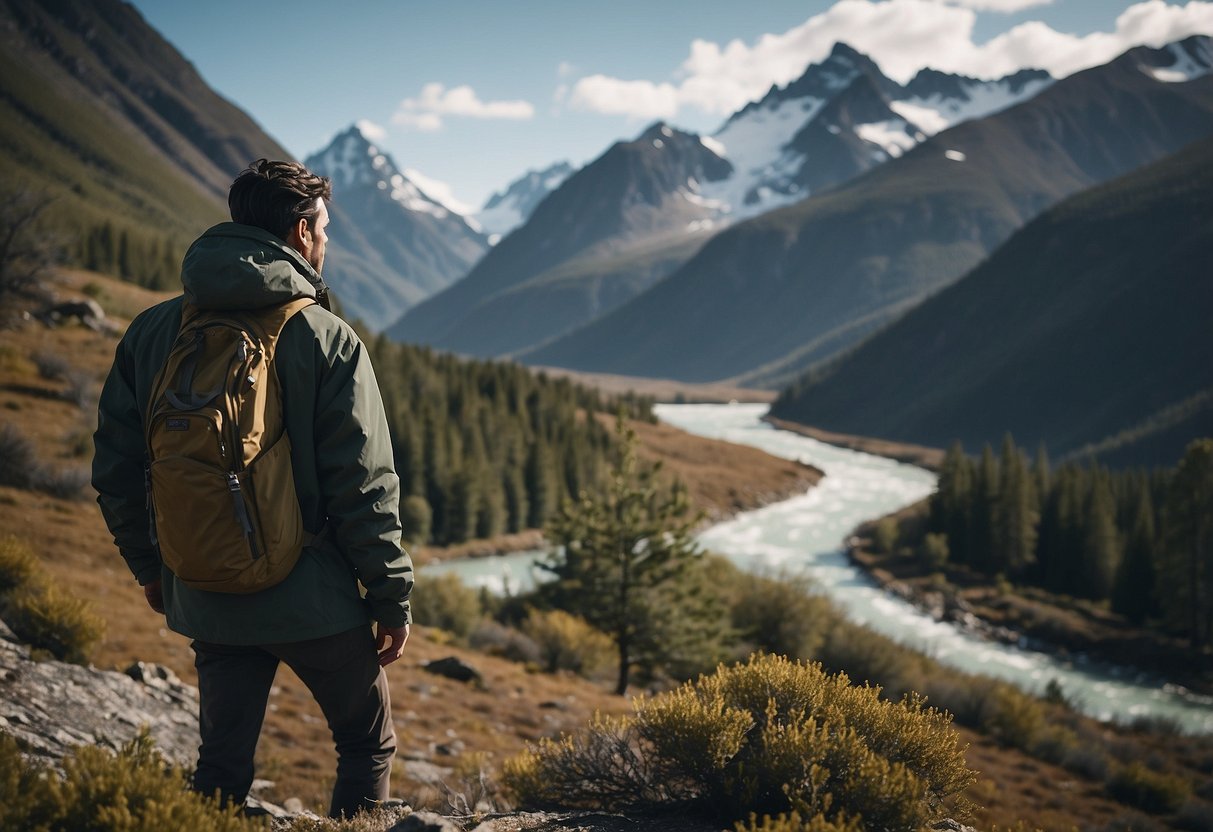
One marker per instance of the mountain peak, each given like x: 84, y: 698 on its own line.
x: 824, y: 80
x: 351, y: 161
x: 1176, y: 62
x: 844, y: 51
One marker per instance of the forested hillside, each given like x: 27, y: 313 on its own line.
x: 484, y: 448
x: 1132, y: 539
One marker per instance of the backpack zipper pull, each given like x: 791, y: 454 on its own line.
x: 233, y: 486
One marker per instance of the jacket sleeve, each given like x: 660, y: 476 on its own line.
x: 118, y: 468
x: 358, y: 480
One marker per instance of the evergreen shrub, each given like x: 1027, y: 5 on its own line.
x: 1012, y: 717
x: 17, y: 564
x: 794, y: 823
x: 46, y: 618
x: 766, y: 738
x: 132, y: 791
x: 569, y: 642
x: 1151, y: 791
x: 779, y: 614
x: 447, y: 603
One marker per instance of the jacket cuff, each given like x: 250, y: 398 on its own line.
x: 391, y: 613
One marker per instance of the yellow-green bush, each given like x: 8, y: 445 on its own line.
x: 780, y: 614
x: 1012, y: 717
x: 17, y: 564
x: 764, y: 738
x: 794, y: 823
x: 1150, y: 791
x: 446, y: 602
x: 567, y: 642
x: 45, y: 617
x: 132, y: 791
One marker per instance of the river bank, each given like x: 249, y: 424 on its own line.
x: 722, y: 480
x: 1072, y: 630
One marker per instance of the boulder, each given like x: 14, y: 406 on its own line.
x: 455, y: 668
x: 51, y: 706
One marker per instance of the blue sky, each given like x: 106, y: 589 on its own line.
x: 471, y: 93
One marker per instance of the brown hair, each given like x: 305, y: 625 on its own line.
x: 274, y: 196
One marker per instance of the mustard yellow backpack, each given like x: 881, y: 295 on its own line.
x: 221, y: 490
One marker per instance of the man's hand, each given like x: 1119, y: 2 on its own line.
x: 398, y: 635
x: 154, y: 593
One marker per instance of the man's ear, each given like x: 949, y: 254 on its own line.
x: 300, y: 237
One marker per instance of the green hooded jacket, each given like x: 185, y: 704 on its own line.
x: 341, y: 452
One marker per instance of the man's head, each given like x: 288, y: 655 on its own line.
x: 285, y: 199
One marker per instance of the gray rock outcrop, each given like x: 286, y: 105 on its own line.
x: 51, y: 706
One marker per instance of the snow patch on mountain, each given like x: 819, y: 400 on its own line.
x: 1190, y: 60
x: 971, y: 99
x: 506, y: 210
x: 755, y: 143
x: 352, y: 161
x: 894, y: 137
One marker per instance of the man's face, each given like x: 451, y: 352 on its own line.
x: 315, y: 239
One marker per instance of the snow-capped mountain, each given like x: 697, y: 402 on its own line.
x: 842, y: 117
x: 635, y: 214
x: 612, y: 229
x: 1179, y: 62
x: 392, y: 244
x: 506, y: 210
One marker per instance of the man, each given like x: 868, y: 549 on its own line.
x: 316, y: 620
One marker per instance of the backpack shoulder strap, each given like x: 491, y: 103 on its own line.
x: 273, y: 319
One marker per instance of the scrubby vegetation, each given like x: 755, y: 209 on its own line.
x: 40, y: 613
x: 133, y: 791
x: 768, y: 737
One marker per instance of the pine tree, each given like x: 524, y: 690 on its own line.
x: 1014, y: 545
x: 1133, y: 594
x: 984, y: 507
x: 623, y: 561
x: 1100, y: 552
x: 952, y: 502
x: 1186, y: 573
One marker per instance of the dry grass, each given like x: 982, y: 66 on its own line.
x: 663, y: 389
x: 722, y: 479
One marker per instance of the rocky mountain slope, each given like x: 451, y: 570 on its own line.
x: 1089, y: 329
x: 645, y: 207
x: 392, y: 245
x: 770, y: 297
x: 507, y: 209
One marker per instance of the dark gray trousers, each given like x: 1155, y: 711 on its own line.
x: 343, y: 674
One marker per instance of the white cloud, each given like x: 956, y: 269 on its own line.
x: 565, y: 69
x: 898, y: 34
x: 438, y: 191
x: 1006, y: 6
x: 637, y: 99
x: 436, y: 101
x: 376, y: 133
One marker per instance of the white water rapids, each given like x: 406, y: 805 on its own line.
x: 805, y: 535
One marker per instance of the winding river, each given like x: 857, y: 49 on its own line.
x: 804, y: 535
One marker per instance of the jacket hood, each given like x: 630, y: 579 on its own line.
x: 234, y: 266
